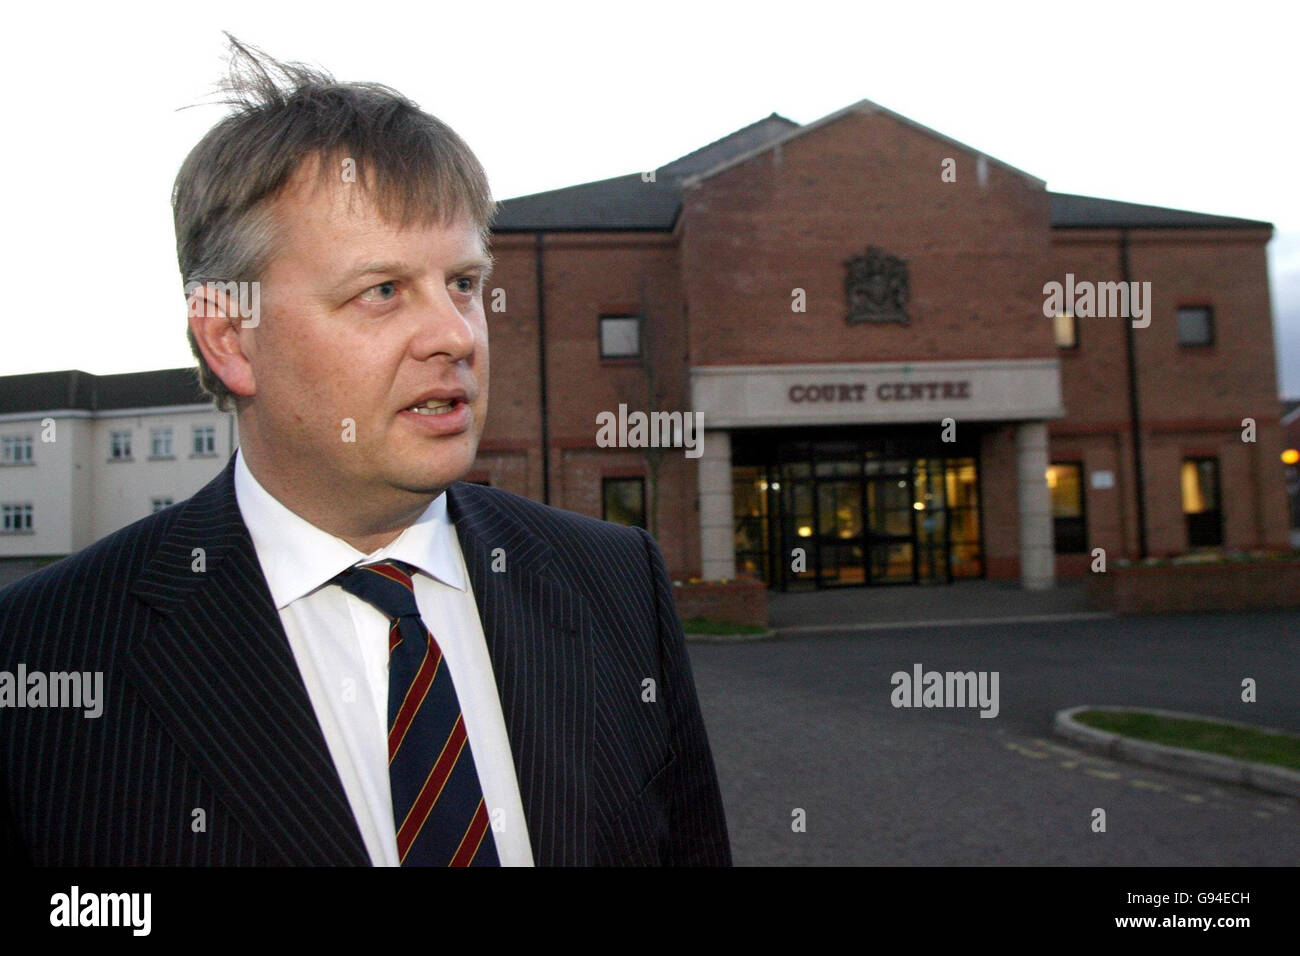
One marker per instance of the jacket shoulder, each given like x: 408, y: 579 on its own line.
x: 555, y: 525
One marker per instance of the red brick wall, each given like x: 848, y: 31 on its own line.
x: 1217, y: 587
x: 742, y: 601
x: 1192, y: 399
x: 789, y: 218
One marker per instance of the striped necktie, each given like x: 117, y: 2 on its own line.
x: 438, y: 806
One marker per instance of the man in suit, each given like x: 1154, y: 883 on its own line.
x: 336, y: 652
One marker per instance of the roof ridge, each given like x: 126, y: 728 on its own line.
x: 736, y: 132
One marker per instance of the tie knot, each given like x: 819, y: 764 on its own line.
x: 385, y: 584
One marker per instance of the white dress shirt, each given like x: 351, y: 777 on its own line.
x: 340, y: 643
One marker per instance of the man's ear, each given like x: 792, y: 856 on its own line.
x: 216, y: 322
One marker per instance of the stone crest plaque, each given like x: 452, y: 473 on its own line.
x: 877, y: 287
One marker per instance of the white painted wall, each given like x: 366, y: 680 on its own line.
x: 79, y: 495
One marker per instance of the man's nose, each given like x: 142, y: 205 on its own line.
x: 442, y: 327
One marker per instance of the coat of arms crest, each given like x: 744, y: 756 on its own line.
x: 877, y: 287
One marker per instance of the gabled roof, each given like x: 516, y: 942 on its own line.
x: 630, y: 203
x: 74, y: 389
x: 861, y: 106
x: 1085, y: 212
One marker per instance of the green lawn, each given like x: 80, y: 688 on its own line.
x: 701, y: 625
x: 1243, y: 743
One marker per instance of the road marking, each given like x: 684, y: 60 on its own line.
x: 1104, y: 774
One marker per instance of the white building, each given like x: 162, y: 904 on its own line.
x: 82, y: 455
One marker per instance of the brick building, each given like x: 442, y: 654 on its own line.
x: 904, y: 413
x: 859, y: 309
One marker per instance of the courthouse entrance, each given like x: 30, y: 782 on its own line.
x: 855, y: 506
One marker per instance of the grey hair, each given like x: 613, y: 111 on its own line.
x: 417, y: 170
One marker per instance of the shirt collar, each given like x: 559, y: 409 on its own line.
x: 297, y: 557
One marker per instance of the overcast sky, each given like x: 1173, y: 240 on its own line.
x: 1186, y: 105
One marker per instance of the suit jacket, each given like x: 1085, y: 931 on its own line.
x: 208, y: 750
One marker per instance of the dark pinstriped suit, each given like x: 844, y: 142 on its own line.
x: 204, y: 707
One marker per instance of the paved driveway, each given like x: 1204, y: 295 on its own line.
x: 806, y: 722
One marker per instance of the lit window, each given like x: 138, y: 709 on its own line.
x: 1065, y: 488
x: 1200, y: 486
x: 1067, y: 331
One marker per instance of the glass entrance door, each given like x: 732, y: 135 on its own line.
x: 839, y: 532
x: 891, y: 535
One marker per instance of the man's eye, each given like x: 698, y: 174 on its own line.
x: 466, y: 284
x: 380, y: 293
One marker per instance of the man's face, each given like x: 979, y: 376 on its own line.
x: 361, y: 323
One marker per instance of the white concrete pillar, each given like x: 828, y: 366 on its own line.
x: 717, y: 535
x: 1037, y: 548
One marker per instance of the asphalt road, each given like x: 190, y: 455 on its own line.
x: 807, y: 723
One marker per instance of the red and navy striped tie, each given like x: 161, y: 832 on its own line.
x: 438, y: 806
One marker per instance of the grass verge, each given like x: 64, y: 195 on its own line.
x: 702, y: 625
x: 1241, y: 743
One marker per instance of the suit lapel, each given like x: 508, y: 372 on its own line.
x: 537, y: 632
x: 217, y: 667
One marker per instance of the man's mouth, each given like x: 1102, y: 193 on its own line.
x: 435, y: 406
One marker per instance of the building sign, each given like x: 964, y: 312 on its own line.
x: 884, y: 392
x: 830, y: 393
x: 877, y: 288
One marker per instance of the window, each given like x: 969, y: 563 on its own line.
x: 15, y: 519
x: 205, y: 439
x: 620, y: 336
x: 624, y: 500
x: 1196, y: 325
x: 160, y: 443
x: 119, y: 446
x: 1200, y: 481
x: 1065, y: 488
x: 158, y: 504
x: 1066, y: 328
x: 15, y: 449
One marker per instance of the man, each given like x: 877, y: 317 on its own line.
x: 336, y: 652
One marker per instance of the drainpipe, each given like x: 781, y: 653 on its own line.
x: 1134, y: 411
x: 541, y: 361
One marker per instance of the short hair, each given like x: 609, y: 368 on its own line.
x: 416, y: 168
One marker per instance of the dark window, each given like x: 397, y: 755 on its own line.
x: 1066, y: 328
x: 1196, y: 325
x: 1065, y: 487
x: 620, y: 336
x: 623, y: 501
x: 1200, y: 481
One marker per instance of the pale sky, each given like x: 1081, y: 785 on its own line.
x: 1188, y: 105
